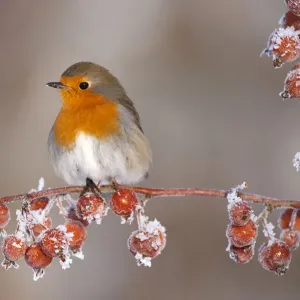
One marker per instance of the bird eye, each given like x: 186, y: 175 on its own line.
x: 83, y: 85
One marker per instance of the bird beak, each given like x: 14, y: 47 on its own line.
x: 57, y: 85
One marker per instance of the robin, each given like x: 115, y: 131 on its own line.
x: 97, y: 135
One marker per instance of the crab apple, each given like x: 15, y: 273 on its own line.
x: 73, y: 216
x: 36, y: 258
x: 289, y: 19
x: 91, y: 207
x: 285, y: 219
x: 292, y: 84
x: 53, y: 242
x: 146, y: 244
x: 4, y: 216
x: 38, y: 203
x: 241, y: 236
x: 37, y: 229
x: 291, y: 238
x: 293, y: 6
x: 123, y: 202
x: 284, y: 46
x: 13, y: 247
x: 78, y: 234
x: 240, y: 213
x: 275, y: 256
x: 241, y: 255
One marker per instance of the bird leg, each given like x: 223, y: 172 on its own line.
x: 115, y: 184
x: 91, y: 187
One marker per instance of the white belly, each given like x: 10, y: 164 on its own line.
x: 99, y: 161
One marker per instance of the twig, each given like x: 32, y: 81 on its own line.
x: 276, y: 203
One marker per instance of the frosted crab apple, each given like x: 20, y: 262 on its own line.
x: 292, y: 84
x: 241, y: 255
x: 283, y: 46
x: 78, y: 233
x: 275, y: 256
x: 4, y: 216
x: 240, y: 213
x: 53, y: 242
x: 123, y: 202
x: 14, y: 247
x: 293, y: 6
x: 241, y: 236
x: 289, y: 19
x: 91, y: 207
x: 285, y: 219
x: 36, y: 258
x: 147, y: 242
x: 291, y: 238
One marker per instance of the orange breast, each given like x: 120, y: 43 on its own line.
x: 98, y: 120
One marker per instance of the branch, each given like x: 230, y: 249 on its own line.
x: 151, y: 193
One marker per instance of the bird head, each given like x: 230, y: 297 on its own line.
x: 86, y: 83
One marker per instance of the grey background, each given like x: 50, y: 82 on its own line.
x: 210, y: 108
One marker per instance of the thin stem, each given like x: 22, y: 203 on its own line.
x: 152, y: 193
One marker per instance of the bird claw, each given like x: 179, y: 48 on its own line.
x: 91, y: 187
x: 115, y: 184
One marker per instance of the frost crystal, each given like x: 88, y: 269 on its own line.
x: 154, y: 227
x: 232, y: 197
x: 141, y: 260
x: 128, y: 219
x: 78, y: 253
x: 6, y: 264
x: 268, y: 230
x: 98, y: 217
x: 38, y: 273
x: 22, y: 225
x: 68, y: 235
x: 66, y: 261
x: 41, y: 184
x: 296, y: 161
x: 38, y: 216
x: 142, y: 236
x: 3, y: 233
x: 284, y: 33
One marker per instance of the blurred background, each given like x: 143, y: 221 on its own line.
x: 210, y: 108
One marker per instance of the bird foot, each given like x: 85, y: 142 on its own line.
x: 115, y: 184
x: 90, y: 186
